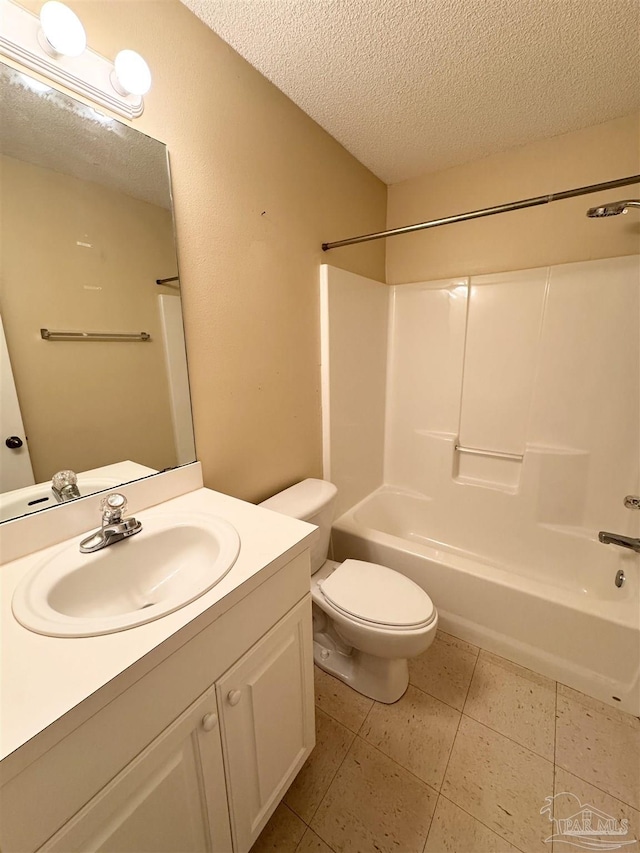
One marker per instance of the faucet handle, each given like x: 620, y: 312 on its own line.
x: 65, y: 485
x: 113, y: 508
x: 64, y: 478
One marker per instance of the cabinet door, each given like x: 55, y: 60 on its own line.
x: 267, y: 717
x: 170, y: 799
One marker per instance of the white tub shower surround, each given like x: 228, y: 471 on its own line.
x: 542, y: 368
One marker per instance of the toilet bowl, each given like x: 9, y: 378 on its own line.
x: 370, y: 654
x: 368, y: 620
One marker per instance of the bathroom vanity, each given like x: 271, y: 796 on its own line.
x: 184, y: 732
x: 180, y: 734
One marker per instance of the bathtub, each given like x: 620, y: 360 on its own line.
x: 573, y: 626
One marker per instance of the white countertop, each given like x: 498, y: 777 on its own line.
x: 43, y: 678
x: 14, y: 504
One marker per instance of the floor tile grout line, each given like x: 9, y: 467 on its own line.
x: 366, y: 716
x: 514, y: 665
x: 294, y: 812
x: 335, y: 719
x: 466, y: 695
x: 598, y: 788
x: 438, y: 792
x: 459, y: 710
x: 354, y: 735
x: 430, y: 695
x: 495, y: 731
x: 439, y: 698
x: 373, y: 702
x: 332, y: 780
x: 481, y: 822
x: 417, y: 778
x: 453, y: 745
x: 440, y: 634
x: 394, y: 760
x: 455, y: 737
x: 433, y: 696
x: 462, y: 714
x: 315, y: 833
x: 482, y: 722
x: 388, y: 757
x: 557, y: 696
x: 508, y: 737
x: 426, y: 838
x: 357, y: 736
x: 571, y: 772
x: 400, y: 766
x: 592, y: 704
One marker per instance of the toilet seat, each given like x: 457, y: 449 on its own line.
x: 378, y: 596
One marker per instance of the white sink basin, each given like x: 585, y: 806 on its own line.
x: 174, y: 559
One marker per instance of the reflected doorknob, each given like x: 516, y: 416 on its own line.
x: 233, y: 697
x: 13, y: 442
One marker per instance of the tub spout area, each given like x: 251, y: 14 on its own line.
x: 617, y: 539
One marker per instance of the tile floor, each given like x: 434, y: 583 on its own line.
x: 462, y: 763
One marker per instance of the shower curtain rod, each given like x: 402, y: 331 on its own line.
x: 487, y: 211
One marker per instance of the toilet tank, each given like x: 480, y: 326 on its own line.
x: 313, y: 501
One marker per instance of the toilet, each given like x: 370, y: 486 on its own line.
x: 368, y: 620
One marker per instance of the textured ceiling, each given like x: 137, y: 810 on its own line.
x: 414, y: 86
x: 42, y: 126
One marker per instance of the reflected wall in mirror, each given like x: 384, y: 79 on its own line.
x: 86, y: 231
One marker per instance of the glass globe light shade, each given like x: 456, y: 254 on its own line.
x: 62, y: 29
x: 132, y: 74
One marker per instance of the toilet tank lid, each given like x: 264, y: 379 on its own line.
x: 302, y: 500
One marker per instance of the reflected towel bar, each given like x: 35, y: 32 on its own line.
x: 49, y: 335
x: 166, y: 282
x: 496, y: 454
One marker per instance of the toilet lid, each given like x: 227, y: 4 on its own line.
x: 377, y: 594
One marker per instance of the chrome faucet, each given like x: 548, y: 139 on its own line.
x: 64, y: 486
x: 617, y: 539
x: 114, y: 526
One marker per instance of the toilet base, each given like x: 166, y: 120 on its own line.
x: 383, y: 679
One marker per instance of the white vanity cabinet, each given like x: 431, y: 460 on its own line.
x: 172, y: 797
x: 267, y: 721
x: 193, y: 756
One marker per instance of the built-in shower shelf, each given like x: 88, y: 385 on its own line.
x: 487, y: 467
x: 554, y: 477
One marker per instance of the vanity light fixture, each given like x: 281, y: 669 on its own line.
x: 61, y: 32
x: 131, y: 74
x: 54, y: 46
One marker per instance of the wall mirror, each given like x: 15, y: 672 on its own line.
x: 94, y: 373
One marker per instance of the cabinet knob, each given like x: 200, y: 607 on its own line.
x: 209, y: 722
x: 233, y: 697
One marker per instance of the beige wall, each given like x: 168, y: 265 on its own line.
x: 85, y: 404
x: 258, y: 186
x: 551, y: 234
